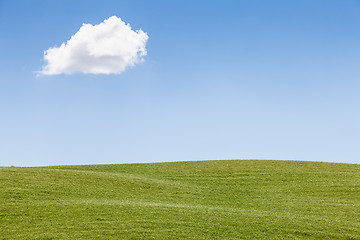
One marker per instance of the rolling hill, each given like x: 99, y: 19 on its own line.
x: 235, y: 199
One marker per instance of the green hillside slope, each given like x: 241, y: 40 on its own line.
x: 182, y: 200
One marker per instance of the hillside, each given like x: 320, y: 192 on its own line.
x: 182, y: 200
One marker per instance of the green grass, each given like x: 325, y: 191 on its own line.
x: 182, y: 200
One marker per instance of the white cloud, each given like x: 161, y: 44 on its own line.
x: 107, y: 48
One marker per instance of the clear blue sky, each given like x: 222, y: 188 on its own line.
x: 222, y: 80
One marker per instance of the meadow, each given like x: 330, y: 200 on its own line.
x: 232, y: 199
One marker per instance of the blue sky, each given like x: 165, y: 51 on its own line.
x: 221, y: 80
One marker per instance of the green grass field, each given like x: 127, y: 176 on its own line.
x: 182, y: 200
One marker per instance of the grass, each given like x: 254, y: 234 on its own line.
x: 182, y: 200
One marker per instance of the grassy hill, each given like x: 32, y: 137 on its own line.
x: 182, y: 200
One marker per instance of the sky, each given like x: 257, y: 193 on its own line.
x: 201, y: 80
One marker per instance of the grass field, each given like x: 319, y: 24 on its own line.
x: 182, y: 200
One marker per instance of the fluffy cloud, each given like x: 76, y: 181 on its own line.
x: 107, y: 48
